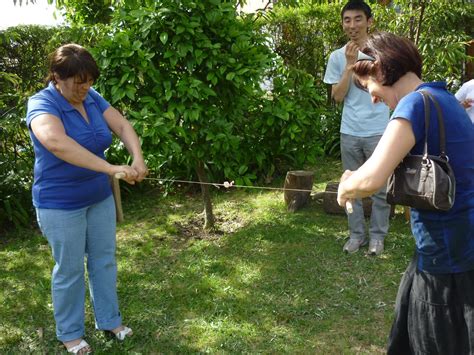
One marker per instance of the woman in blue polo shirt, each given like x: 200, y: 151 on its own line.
x: 70, y: 125
x: 435, y: 302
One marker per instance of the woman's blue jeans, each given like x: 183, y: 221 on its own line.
x: 73, y: 235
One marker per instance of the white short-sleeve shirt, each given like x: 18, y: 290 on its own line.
x: 360, y: 117
x: 467, y: 92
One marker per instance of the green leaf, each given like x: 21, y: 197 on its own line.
x: 124, y: 78
x: 164, y: 37
x: 243, y: 169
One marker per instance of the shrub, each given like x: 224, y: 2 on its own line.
x: 22, y: 70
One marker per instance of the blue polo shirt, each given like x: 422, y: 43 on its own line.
x: 444, y: 240
x: 360, y: 117
x: 58, y: 184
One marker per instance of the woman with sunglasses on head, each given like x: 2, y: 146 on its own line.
x: 435, y: 302
x: 70, y: 126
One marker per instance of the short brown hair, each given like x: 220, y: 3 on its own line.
x: 72, y: 60
x: 394, y: 55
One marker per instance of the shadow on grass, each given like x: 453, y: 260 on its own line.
x: 26, y: 315
x: 279, y: 284
x: 273, y: 282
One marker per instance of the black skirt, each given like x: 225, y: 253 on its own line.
x: 434, y: 314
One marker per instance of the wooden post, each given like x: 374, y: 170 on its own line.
x: 331, y: 206
x: 406, y: 212
x: 117, y: 197
x: 300, y: 180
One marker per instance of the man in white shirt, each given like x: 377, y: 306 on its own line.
x: 362, y: 125
x: 465, y: 96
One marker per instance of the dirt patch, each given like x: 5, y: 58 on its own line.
x: 193, y: 228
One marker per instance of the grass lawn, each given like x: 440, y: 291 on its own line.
x: 268, y: 281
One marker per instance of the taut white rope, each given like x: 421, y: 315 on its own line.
x: 227, y: 185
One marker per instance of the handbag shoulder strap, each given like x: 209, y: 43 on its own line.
x: 442, y: 134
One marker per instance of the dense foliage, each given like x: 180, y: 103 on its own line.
x: 184, y: 72
x: 22, y: 67
x: 441, y: 30
x: 189, y: 77
x: 191, y: 81
x: 306, y: 35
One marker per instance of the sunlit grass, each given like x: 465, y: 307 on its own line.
x: 266, y: 281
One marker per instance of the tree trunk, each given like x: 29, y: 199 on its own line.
x: 300, y: 180
x: 420, y: 22
x: 209, y: 219
x: 469, y: 74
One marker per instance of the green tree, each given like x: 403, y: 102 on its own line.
x: 441, y: 30
x: 22, y: 70
x: 90, y: 12
x: 185, y: 70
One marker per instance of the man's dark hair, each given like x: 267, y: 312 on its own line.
x: 357, y: 5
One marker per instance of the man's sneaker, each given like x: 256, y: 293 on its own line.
x: 375, y: 247
x: 353, y: 245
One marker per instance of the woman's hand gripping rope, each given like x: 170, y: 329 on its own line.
x: 342, y: 201
x: 128, y: 177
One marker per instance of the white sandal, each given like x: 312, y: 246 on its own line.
x: 125, y: 332
x: 77, y: 348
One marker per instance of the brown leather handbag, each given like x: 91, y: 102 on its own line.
x: 424, y: 182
